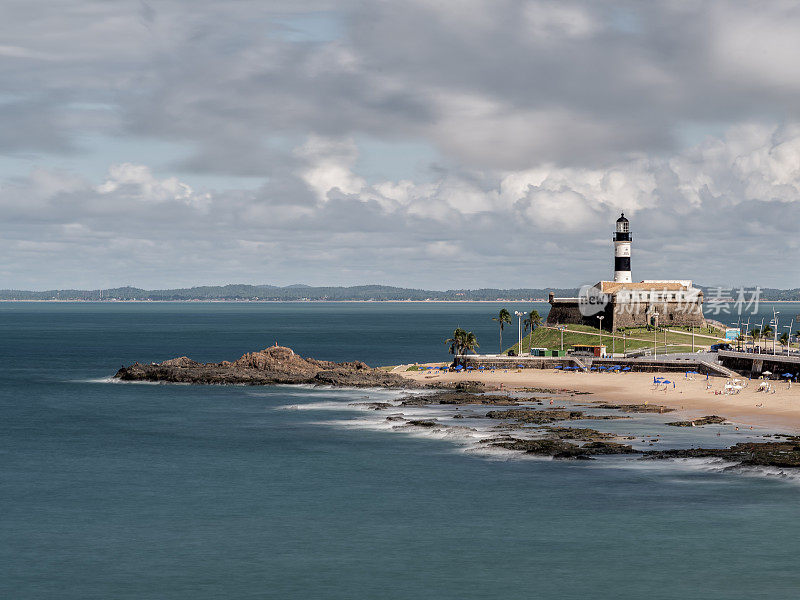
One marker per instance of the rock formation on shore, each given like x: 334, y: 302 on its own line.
x: 274, y: 365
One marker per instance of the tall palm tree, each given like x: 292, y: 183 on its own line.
x: 503, y: 318
x: 784, y: 339
x: 532, y: 321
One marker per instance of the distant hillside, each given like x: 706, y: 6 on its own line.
x: 300, y: 292
x: 294, y: 292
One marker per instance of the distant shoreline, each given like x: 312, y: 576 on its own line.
x: 212, y: 301
x: 209, y: 301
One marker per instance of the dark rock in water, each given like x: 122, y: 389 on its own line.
x: 536, y: 416
x: 474, y: 387
x: 762, y: 454
x: 707, y: 420
x: 597, y: 448
x: 374, y: 405
x: 460, y: 397
x: 636, y: 408
x: 424, y: 423
x: 562, y: 449
x: 578, y: 433
x: 273, y: 365
x: 540, y: 416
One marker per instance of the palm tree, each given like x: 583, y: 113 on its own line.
x: 461, y: 343
x: 503, y: 318
x: 784, y: 339
x: 457, y: 341
x: 470, y: 342
x: 532, y: 321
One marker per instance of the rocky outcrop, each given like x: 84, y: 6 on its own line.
x: 636, y: 408
x: 560, y: 449
x: 540, y: 416
x: 274, y: 365
x: 761, y: 454
x: 462, y: 397
x: 707, y: 420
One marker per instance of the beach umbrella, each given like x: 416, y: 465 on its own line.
x: 558, y: 367
x: 521, y: 366
x: 766, y: 372
x: 666, y: 381
x: 470, y: 368
x: 787, y: 375
x: 626, y: 369
x: 459, y: 368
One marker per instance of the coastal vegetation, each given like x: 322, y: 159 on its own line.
x: 677, y: 339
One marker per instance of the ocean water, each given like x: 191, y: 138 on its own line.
x: 112, y: 490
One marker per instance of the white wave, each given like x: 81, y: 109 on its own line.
x: 111, y: 379
x: 336, y: 405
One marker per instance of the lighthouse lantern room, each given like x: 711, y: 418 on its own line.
x: 622, y: 251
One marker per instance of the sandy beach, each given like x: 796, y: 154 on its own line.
x: 779, y: 411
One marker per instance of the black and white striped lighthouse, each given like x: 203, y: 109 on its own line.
x: 622, y: 251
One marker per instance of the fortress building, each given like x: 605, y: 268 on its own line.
x: 623, y: 303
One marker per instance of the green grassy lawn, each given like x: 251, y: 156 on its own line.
x: 677, y: 341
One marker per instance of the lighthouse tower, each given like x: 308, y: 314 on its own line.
x: 622, y: 251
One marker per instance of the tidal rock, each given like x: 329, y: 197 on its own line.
x: 460, y: 397
x: 636, y: 408
x: 707, y: 420
x: 763, y: 454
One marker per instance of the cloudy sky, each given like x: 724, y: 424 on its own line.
x: 424, y: 143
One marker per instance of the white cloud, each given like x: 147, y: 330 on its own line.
x: 136, y: 182
x: 329, y: 166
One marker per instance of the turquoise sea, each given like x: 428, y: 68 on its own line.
x: 142, y: 491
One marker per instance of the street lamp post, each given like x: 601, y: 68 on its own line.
x: 655, y: 333
x: 789, y: 338
x: 775, y: 335
x: 600, y: 329
x: 519, y: 331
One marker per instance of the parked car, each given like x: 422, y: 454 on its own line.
x: 718, y: 347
